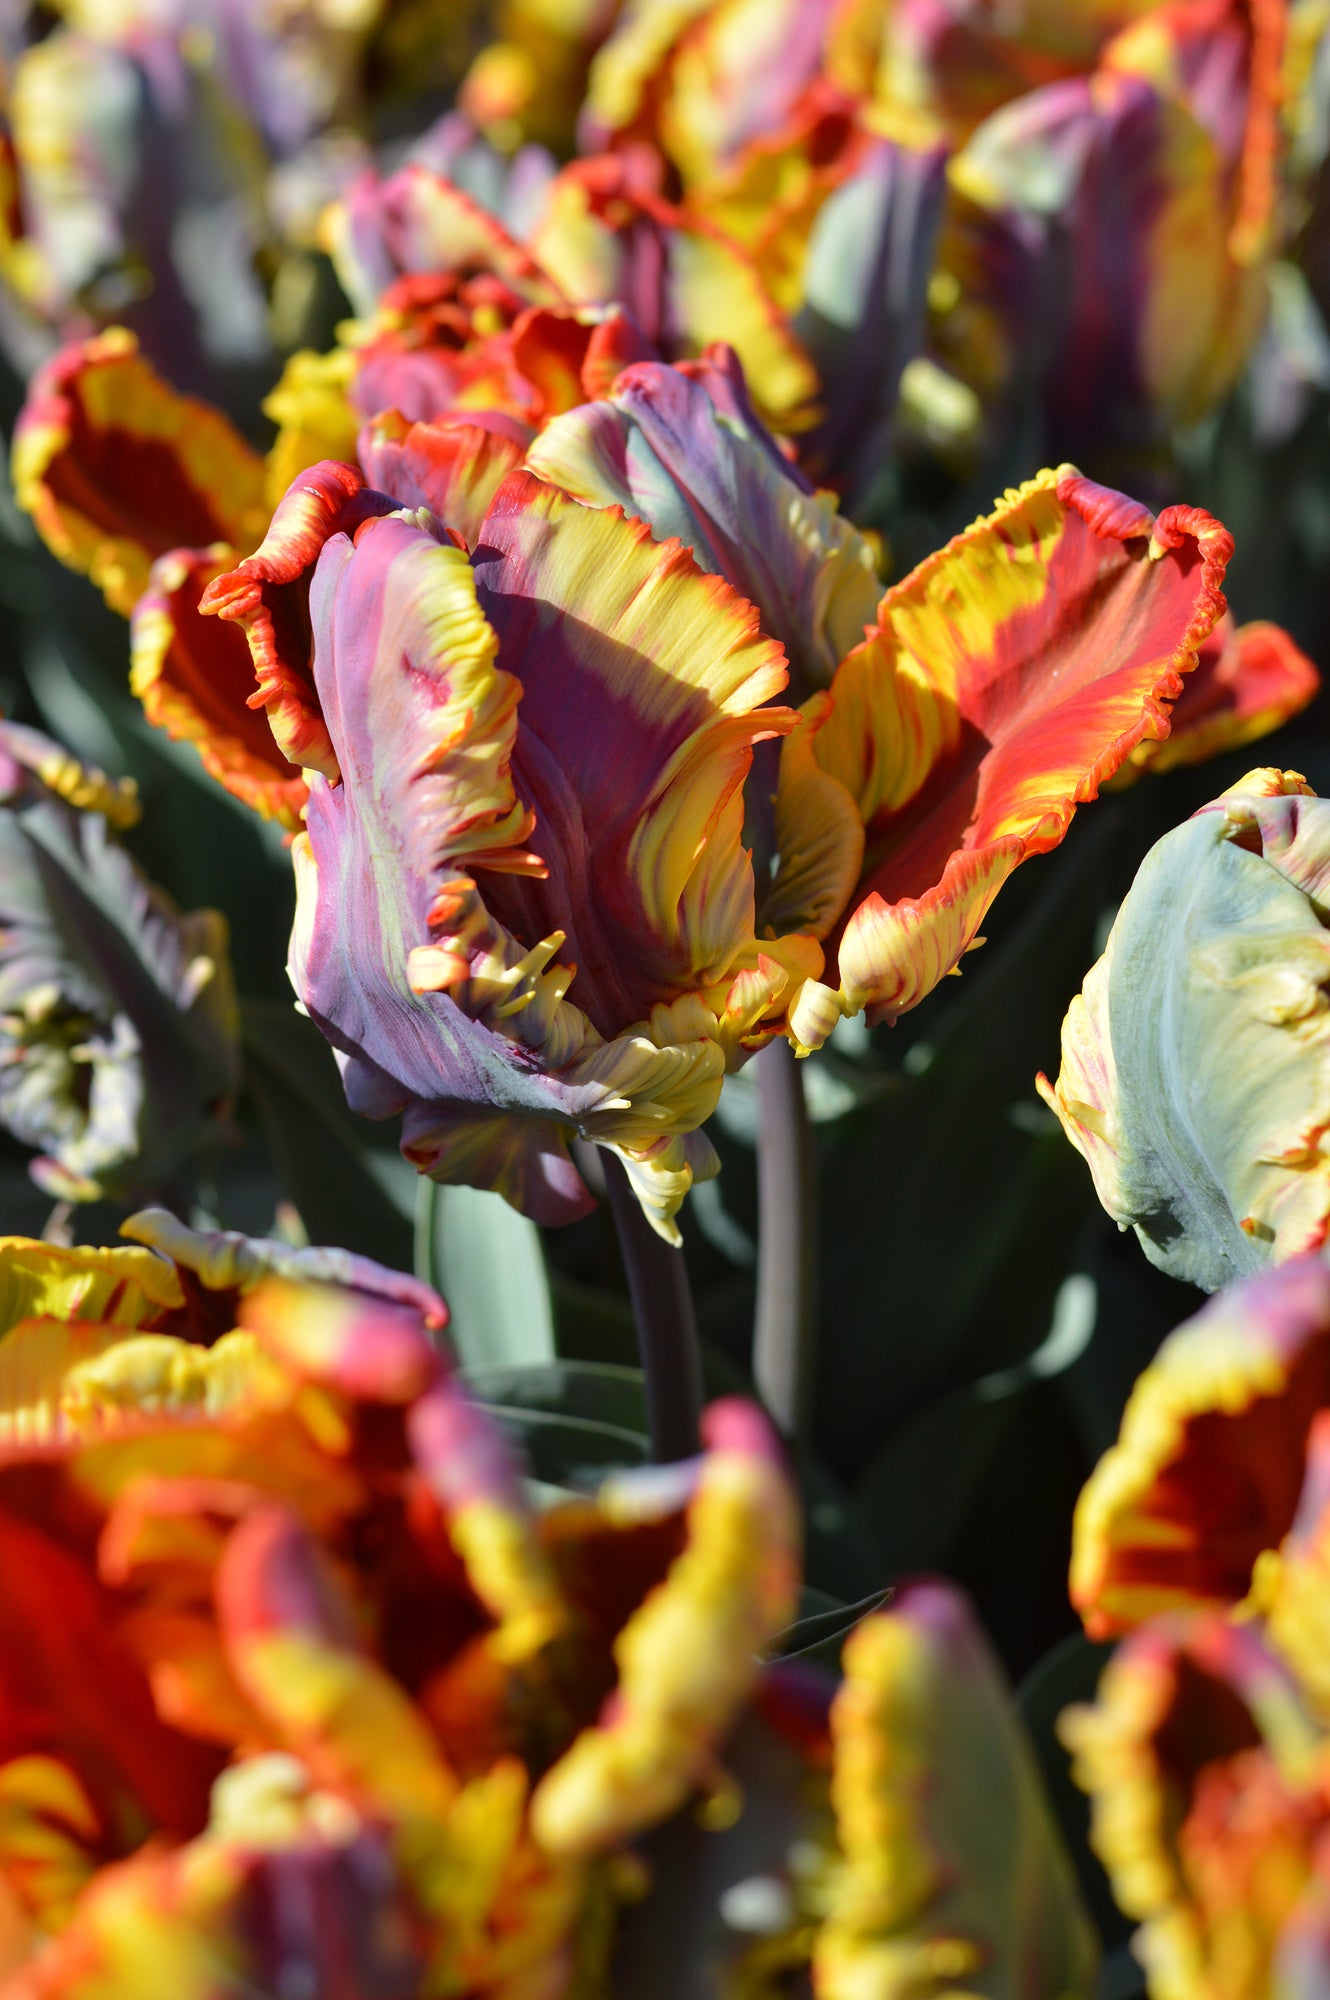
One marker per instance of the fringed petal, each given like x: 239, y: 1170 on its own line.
x: 1249, y: 681
x: 194, y: 677
x: 1006, y: 679
x: 267, y: 595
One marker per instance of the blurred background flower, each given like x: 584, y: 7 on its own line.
x: 118, y: 1031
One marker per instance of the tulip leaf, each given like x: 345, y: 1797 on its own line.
x: 345, y: 1176
x: 573, y: 1420
x: 823, y: 1626
x: 582, y: 1391
x: 488, y: 1262
x: 1069, y: 1672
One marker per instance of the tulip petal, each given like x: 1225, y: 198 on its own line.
x: 268, y: 596
x: 594, y: 618
x: 1206, y: 1473
x: 315, y: 418
x: 688, y: 1656
x: 290, y: 1634
x: 422, y: 724
x: 1293, y: 1591
x: 453, y: 467
x: 417, y: 221
x: 1198, y: 1759
x: 119, y: 1287
x: 952, y: 1870
x: 605, y: 236
x: 1249, y: 680
x: 194, y: 677
x: 116, y: 468
x: 1221, y: 943
x: 660, y: 449
x: 1007, y: 677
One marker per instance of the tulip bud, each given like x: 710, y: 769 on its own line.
x: 1194, y: 1063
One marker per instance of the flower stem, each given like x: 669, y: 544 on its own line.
x: 425, y: 1252
x: 666, y: 1326
x: 783, y: 1329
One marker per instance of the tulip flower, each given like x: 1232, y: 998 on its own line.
x: 1204, y: 1535
x: 118, y: 1037
x: 604, y: 235
x: 1189, y: 1509
x: 298, y: 1679
x: 1149, y: 166
x: 1205, y: 1764
x: 1220, y: 943
x: 355, y: 1709
x: 448, y: 995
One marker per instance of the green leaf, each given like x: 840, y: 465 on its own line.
x: 1069, y: 1672
x: 823, y: 1626
x: 345, y: 1175
x: 488, y: 1262
x: 574, y: 1421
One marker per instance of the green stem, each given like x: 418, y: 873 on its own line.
x: 666, y: 1325
x: 783, y: 1328
x: 424, y: 1254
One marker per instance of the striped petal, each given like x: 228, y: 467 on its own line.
x: 1007, y: 677
x: 194, y: 677
x: 1220, y: 943
x: 605, y: 236
x: 659, y: 448
x: 1205, y: 1477
x: 116, y: 468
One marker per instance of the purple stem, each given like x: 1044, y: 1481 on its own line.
x: 783, y: 1327
x: 666, y: 1326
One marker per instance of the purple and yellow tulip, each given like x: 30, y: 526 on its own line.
x: 288, y: 1643
x: 997, y: 687
x: 1160, y: 165
x: 450, y: 1002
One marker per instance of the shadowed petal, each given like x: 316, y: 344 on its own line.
x: 1249, y: 680
x: 689, y: 1654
